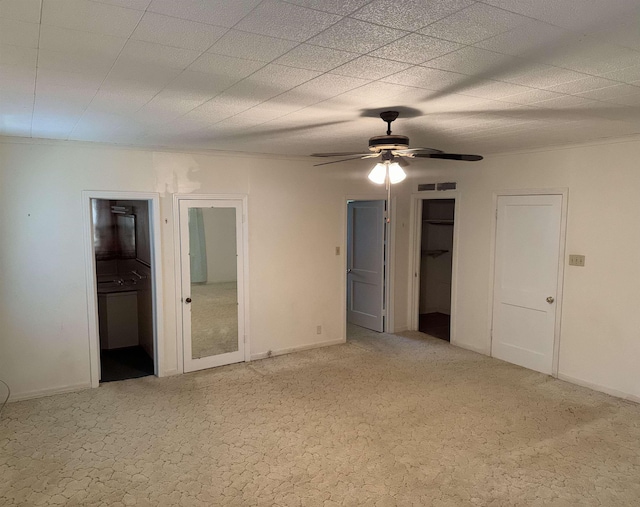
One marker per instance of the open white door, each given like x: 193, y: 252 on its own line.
x: 365, y: 264
x: 212, y: 260
x: 528, y: 240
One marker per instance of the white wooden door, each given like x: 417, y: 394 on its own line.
x: 365, y: 264
x: 212, y: 297
x: 526, y: 280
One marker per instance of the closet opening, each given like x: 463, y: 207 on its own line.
x: 436, y: 255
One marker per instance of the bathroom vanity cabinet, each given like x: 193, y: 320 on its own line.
x: 118, y: 317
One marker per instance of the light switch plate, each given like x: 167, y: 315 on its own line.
x: 576, y: 260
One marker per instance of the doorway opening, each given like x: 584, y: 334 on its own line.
x: 367, y: 274
x: 121, y: 238
x: 436, y: 263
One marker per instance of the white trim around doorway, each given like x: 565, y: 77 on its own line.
x: 92, y: 286
x: 415, y: 235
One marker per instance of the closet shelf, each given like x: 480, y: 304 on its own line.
x: 434, y: 253
x: 438, y: 222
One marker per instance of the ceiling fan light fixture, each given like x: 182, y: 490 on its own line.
x: 378, y: 174
x: 396, y: 174
x: 386, y: 169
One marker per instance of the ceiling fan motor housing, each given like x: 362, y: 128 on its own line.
x: 392, y: 142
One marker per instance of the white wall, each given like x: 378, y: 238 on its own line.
x: 600, y: 335
x: 296, y: 219
x: 295, y: 222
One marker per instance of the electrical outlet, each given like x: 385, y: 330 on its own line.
x: 576, y: 260
x: 337, y: 250
x: 318, y: 329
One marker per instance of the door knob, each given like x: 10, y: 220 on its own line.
x: 349, y: 270
x: 550, y: 299
x: 188, y: 300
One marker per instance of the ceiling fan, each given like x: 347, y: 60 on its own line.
x: 393, y: 150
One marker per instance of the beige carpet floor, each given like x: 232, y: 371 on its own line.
x: 381, y: 421
x: 214, y: 319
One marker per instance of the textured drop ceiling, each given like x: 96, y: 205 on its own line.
x: 303, y: 76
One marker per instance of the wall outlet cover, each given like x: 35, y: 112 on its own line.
x: 576, y: 260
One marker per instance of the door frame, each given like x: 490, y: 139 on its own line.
x: 390, y: 252
x: 564, y: 192
x: 415, y: 240
x: 153, y: 198
x: 177, y: 198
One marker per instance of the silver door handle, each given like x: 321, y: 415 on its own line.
x: 348, y: 270
x: 550, y: 299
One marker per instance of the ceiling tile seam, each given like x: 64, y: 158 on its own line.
x: 127, y: 39
x: 233, y: 27
x: 35, y: 79
x: 573, y: 32
x: 18, y: 21
x: 350, y: 16
x: 407, y: 33
x: 128, y: 7
x: 230, y: 86
x: 190, y: 20
x: 422, y: 64
x: 213, y: 52
x: 328, y: 12
x: 483, y: 2
x: 290, y: 112
x: 106, y: 76
x: 371, y: 81
x: 533, y: 60
x: 411, y: 65
x: 579, y: 94
x: 98, y: 33
x: 522, y: 62
x: 533, y: 106
x: 306, y: 41
x: 20, y: 45
x: 536, y: 19
x: 299, y: 43
x: 316, y: 103
x: 177, y: 76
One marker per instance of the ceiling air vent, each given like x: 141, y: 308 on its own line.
x: 451, y: 185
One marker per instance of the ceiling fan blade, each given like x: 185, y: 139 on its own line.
x: 342, y: 160
x: 410, y: 151
x: 403, y: 162
x: 340, y: 154
x: 450, y: 156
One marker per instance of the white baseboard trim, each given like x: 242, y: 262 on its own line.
x: 473, y: 348
x: 41, y: 393
x: 169, y: 373
x: 401, y: 329
x: 598, y: 387
x: 299, y: 348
